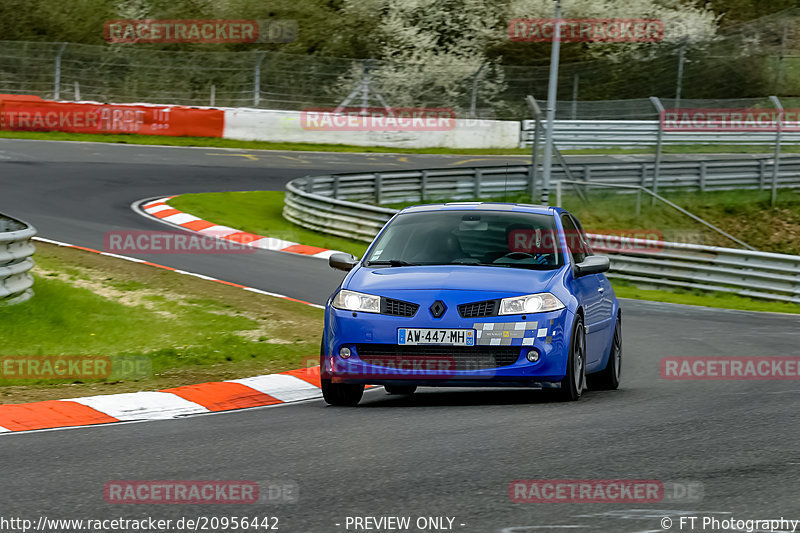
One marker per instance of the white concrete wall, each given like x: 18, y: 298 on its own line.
x: 285, y: 126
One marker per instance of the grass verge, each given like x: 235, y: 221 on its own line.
x: 260, y: 212
x: 718, y: 300
x: 192, y: 330
x: 212, y: 142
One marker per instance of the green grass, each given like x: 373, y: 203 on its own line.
x: 191, y: 330
x: 259, y: 212
x: 212, y: 142
x: 718, y: 300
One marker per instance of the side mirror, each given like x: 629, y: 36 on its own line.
x: 594, y: 264
x: 342, y: 261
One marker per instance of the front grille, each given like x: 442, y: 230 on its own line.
x: 390, y: 306
x: 478, y: 309
x: 455, y: 357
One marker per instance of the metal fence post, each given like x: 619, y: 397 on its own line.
x: 537, y: 128
x: 257, y: 79
x: 378, y: 187
x: 77, y: 96
x: 659, y: 141
x: 423, y: 185
x: 213, y: 95
x: 762, y: 174
x: 776, y: 165
x: 478, y: 176
x: 474, y: 92
x: 335, y: 191
x: 702, y: 176
x: 57, y: 77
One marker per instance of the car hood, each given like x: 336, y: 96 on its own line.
x: 448, y: 277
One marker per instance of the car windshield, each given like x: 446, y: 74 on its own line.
x: 469, y: 237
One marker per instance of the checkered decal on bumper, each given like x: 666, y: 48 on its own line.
x: 508, y: 333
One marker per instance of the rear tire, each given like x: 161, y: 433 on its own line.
x: 575, y: 377
x: 609, y: 377
x: 405, y: 390
x: 341, y: 394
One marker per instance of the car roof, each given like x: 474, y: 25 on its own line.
x: 484, y: 206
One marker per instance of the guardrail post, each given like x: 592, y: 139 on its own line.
x: 478, y: 176
x: 378, y: 187
x: 423, y: 185
x: 702, y: 176
x: 762, y: 174
x: 309, y: 184
x: 776, y: 165
x: 335, y: 186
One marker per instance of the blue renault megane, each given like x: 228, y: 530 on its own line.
x: 473, y: 294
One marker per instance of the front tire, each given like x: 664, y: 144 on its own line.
x: 609, y: 377
x: 341, y: 394
x: 575, y: 377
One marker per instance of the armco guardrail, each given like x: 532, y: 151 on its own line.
x: 332, y: 204
x: 420, y: 185
x: 16, y: 249
x: 632, y: 133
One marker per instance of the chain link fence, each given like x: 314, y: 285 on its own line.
x: 745, y: 65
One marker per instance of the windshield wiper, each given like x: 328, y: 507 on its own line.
x: 392, y: 262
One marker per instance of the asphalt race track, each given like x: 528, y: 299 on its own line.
x: 443, y: 453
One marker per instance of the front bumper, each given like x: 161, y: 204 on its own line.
x: 499, y: 357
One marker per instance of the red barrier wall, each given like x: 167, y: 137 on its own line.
x: 26, y: 113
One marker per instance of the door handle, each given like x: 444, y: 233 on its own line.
x: 601, y: 289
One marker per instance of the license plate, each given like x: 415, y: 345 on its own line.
x: 450, y: 337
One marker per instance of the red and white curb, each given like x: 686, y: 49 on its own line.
x: 258, y: 391
x: 162, y: 211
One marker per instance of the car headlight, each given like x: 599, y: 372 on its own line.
x: 357, y: 301
x: 530, y: 303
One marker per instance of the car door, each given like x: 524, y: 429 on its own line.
x: 588, y: 289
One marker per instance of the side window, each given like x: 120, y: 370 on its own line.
x: 574, y: 240
x: 587, y: 248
